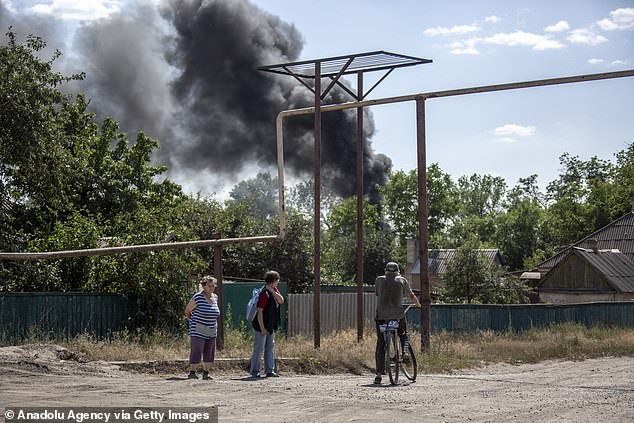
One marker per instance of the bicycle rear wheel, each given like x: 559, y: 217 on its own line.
x: 392, y: 347
x: 408, y: 361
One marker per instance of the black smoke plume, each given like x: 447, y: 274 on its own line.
x: 186, y: 73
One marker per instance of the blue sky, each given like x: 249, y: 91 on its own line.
x: 511, y: 134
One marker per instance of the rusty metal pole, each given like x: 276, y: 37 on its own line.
x: 423, y: 250
x: 220, y: 340
x: 317, y: 223
x: 360, y: 145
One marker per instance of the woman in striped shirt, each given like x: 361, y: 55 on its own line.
x: 202, y: 313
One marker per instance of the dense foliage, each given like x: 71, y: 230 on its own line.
x: 70, y: 182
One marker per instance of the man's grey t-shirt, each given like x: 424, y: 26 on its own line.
x: 390, y: 290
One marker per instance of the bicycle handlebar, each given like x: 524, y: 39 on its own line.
x: 408, y: 306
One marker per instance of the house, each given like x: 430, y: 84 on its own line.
x: 589, y: 275
x: 438, y: 261
x: 618, y: 235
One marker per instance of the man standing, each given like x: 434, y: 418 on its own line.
x: 390, y: 290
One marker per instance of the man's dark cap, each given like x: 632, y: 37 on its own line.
x: 391, y: 267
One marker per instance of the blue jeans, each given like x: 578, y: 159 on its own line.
x: 262, y: 343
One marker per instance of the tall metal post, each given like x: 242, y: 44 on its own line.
x: 335, y: 68
x: 317, y: 223
x: 360, y: 144
x: 423, y: 250
x: 220, y: 341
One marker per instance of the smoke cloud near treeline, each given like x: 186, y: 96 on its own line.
x: 185, y: 72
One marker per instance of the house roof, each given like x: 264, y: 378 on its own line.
x: 439, y: 259
x: 614, y: 266
x: 616, y: 235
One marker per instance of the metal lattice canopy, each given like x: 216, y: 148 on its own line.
x: 335, y: 67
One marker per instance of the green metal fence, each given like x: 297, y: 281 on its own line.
x: 61, y: 314
x: 472, y: 317
x: 236, y: 296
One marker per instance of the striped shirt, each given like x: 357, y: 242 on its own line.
x: 205, y: 314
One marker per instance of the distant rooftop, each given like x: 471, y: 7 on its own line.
x: 439, y: 259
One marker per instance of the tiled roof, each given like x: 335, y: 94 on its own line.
x: 439, y: 259
x: 616, y: 235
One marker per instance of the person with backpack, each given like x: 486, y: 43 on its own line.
x: 264, y: 324
x: 202, y: 313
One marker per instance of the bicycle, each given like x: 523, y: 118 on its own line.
x: 395, y: 362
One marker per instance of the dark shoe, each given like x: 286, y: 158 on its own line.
x: 192, y: 375
x: 377, y: 380
x: 255, y: 376
x: 272, y: 374
x: 206, y: 376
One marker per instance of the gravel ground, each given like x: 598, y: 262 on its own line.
x: 597, y: 390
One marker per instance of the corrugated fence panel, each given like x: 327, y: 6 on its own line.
x: 465, y: 317
x: 337, y: 312
x: 61, y: 314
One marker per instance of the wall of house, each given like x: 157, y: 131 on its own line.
x: 574, y: 273
x: 565, y: 297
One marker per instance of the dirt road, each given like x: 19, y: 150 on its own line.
x: 598, y: 390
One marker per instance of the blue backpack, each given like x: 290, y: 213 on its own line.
x: 252, y: 305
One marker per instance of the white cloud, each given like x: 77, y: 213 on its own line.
x: 594, y: 61
x: 8, y: 5
x: 492, y: 19
x: 507, y: 140
x: 512, y: 129
x: 465, y: 46
x: 617, y: 62
x: 77, y: 9
x: 454, y: 30
x: 620, y: 19
x: 558, y: 27
x: 538, y: 42
x: 586, y: 36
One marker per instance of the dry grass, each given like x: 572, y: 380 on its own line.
x: 340, y: 351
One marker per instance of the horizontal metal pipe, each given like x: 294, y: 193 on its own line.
x: 133, y: 248
x: 460, y: 91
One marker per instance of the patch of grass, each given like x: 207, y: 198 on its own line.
x: 341, y: 352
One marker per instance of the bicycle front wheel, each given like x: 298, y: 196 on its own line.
x: 408, y: 362
x: 392, y: 347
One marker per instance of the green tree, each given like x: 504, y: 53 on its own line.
x: 623, y: 186
x: 470, y: 278
x: 480, y: 202
x: 260, y: 193
x: 519, y: 231
x: 578, y: 199
x: 68, y: 183
x: 292, y: 257
x: 339, y: 249
x: 400, y: 201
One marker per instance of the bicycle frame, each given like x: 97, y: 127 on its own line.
x: 392, y: 340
